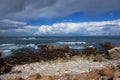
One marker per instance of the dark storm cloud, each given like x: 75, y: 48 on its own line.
x: 23, y: 9
x: 11, y: 24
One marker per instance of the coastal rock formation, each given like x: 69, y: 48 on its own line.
x: 53, y: 52
x: 4, y: 68
x: 89, y: 50
x: 52, y: 48
x: 0, y: 54
x: 114, y: 53
x: 107, y: 45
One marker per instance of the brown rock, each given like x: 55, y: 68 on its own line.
x: 47, y: 78
x: 89, y: 50
x: 107, y: 72
x: 34, y: 77
x: 107, y: 45
x: 58, y: 48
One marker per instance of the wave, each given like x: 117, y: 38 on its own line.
x: 29, y: 38
x: 7, y: 49
x: 6, y: 53
x: 72, y: 43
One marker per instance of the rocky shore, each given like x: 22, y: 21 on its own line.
x: 56, y: 62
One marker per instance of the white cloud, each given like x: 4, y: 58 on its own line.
x: 91, y: 28
x: 67, y: 28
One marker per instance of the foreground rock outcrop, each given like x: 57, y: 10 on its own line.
x: 114, y: 53
x: 109, y: 73
x: 4, y: 68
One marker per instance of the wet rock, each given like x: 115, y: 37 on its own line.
x: 89, y: 50
x: 0, y: 54
x: 58, y: 48
x: 4, y: 68
x: 43, y: 48
x: 21, y: 51
x: 114, y: 53
x: 51, y: 48
x: 34, y: 77
x: 54, y: 52
x: 107, y: 45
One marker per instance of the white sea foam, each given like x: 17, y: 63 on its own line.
x: 29, y: 38
x: 77, y: 47
x: 32, y: 45
x: 71, y: 43
x: 6, y: 49
x: 6, y: 53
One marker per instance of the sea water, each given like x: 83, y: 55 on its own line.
x: 7, y: 44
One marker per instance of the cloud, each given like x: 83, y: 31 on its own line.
x: 88, y: 28
x: 25, y: 9
x: 11, y: 24
x: 15, y: 28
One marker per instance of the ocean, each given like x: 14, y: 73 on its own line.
x: 8, y: 44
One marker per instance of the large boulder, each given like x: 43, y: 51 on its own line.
x: 107, y: 46
x: 43, y: 48
x: 51, y: 48
x: 89, y: 50
x: 4, y: 68
x: 58, y: 48
x: 54, y: 52
x: 114, y: 53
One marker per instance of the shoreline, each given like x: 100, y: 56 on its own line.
x: 53, y: 59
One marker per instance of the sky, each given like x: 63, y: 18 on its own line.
x: 59, y: 17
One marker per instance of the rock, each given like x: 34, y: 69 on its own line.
x: 107, y: 45
x: 21, y: 51
x: 89, y: 50
x: 0, y: 54
x: 1, y: 62
x: 54, y: 52
x: 51, y: 48
x: 4, y: 68
x: 99, y: 57
x: 43, y: 48
x: 107, y: 72
x: 47, y: 78
x: 34, y: 77
x: 15, y: 79
x: 16, y: 72
x: 58, y: 48
x: 114, y: 53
